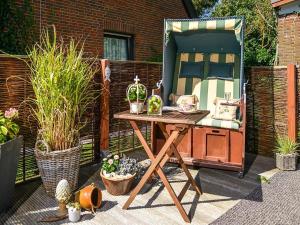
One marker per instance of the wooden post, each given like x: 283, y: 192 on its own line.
x: 104, y: 107
x: 291, y: 95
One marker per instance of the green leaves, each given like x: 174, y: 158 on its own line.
x: 261, y: 32
x: 263, y: 179
x: 16, y: 26
x: 285, y: 145
x: 202, y: 6
x: 135, y: 93
x: 3, y: 130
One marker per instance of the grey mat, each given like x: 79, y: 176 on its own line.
x: 275, y: 203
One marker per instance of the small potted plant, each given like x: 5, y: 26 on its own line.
x: 286, y: 153
x: 118, y: 174
x: 136, y: 95
x: 10, y: 147
x: 62, y: 81
x: 74, y: 211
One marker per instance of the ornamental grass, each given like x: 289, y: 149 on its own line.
x: 62, y: 82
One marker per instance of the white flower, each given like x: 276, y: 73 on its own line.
x: 116, y: 157
x: 110, y: 161
x: 105, y: 159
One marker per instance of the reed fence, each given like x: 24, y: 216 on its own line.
x: 266, y: 108
x: 15, y: 90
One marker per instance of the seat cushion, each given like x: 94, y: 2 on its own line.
x: 208, y: 121
x: 205, y: 88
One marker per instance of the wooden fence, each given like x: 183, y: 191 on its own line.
x: 267, y: 108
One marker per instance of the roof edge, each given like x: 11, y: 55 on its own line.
x: 278, y: 3
x: 189, y: 8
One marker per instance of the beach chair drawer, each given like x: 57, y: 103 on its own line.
x: 211, y: 144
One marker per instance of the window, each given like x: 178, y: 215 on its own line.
x: 118, y: 46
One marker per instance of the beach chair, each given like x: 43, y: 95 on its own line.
x: 204, y: 58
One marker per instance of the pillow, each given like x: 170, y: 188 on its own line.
x: 220, y: 70
x: 191, y: 69
x: 225, y: 112
x: 183, y: 99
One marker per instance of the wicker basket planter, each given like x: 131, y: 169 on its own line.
x: 117, y: 186
x: 57, y: 165
x: 286, y: 161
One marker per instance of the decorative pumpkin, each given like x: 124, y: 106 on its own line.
x: 63, y: 191
x: 90, y: 197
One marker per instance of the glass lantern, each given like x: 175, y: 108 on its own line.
x: 154, y: 105
x: 136, y: 96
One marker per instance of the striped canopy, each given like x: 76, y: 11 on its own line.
x: 182, y: 25
x: 207, y: 42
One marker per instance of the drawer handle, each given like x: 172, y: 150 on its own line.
x: 215, y: 131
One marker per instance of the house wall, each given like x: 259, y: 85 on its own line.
x: 87, y: 20
x: 289, y: 39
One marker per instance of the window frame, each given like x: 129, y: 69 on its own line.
x: 122, y: 36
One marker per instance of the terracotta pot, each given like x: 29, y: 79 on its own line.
x: 117, y: 186
x: 90, y: 197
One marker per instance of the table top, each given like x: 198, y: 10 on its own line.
x: 170, y: 117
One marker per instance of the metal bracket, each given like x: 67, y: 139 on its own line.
x: 158, y: 84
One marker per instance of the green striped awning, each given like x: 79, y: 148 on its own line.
x: 179, y: 26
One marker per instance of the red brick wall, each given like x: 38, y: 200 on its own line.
x: 87, y: 20
x: 289, y: 39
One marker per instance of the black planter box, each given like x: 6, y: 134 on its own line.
x: 9, y: 157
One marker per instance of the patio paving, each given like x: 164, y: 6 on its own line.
x: 276, y: 202
x: 222, y: 191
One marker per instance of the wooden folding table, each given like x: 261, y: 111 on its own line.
x: 182, y: 123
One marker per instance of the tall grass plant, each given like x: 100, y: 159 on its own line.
x: 62, y: 82
x: 286, y: 146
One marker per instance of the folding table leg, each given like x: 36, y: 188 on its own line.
x: 151, y: 169
x: 183, y: 166
x: 158, y: 170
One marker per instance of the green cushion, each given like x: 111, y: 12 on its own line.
x: 220, y: 70
x: 191, y: 69
x: 207, y: 89
x: 207, y: 121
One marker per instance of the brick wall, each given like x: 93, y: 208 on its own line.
x: 87, y: 20
x: 289, y: 39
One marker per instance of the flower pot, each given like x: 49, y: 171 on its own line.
x: 9, y: 156
x: 74, y: 214
x: 90, y: 197
x: 287, y: 161
x: 117, y: 186
x: 57, y: 165
x: 136, y: 107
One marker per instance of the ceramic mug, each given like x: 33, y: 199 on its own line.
x: 74, y: 214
